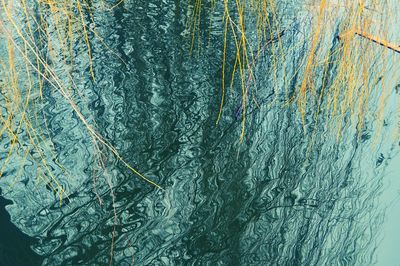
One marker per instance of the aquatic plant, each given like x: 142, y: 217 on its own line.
x: 46, y: 44
x: 337, y: 83
x: 47, y: 32
x: 45, y: 41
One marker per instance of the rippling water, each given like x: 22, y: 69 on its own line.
x: 279, y: 198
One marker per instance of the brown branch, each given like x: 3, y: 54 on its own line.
x: 382, y: 42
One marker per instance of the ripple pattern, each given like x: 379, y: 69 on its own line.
x: 282, y: 197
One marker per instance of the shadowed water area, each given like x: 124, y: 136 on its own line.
x: 282, y: 197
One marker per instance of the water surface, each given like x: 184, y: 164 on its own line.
x: 281, y: 197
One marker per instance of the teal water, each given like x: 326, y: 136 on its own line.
x: 272, y: 200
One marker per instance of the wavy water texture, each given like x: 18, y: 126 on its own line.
x: 282, y: 197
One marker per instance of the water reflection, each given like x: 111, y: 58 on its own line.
x: 280, y: 198
x: 15, y: 246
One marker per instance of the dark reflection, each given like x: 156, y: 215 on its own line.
x: 274, y: 200
x: 15, y: 246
